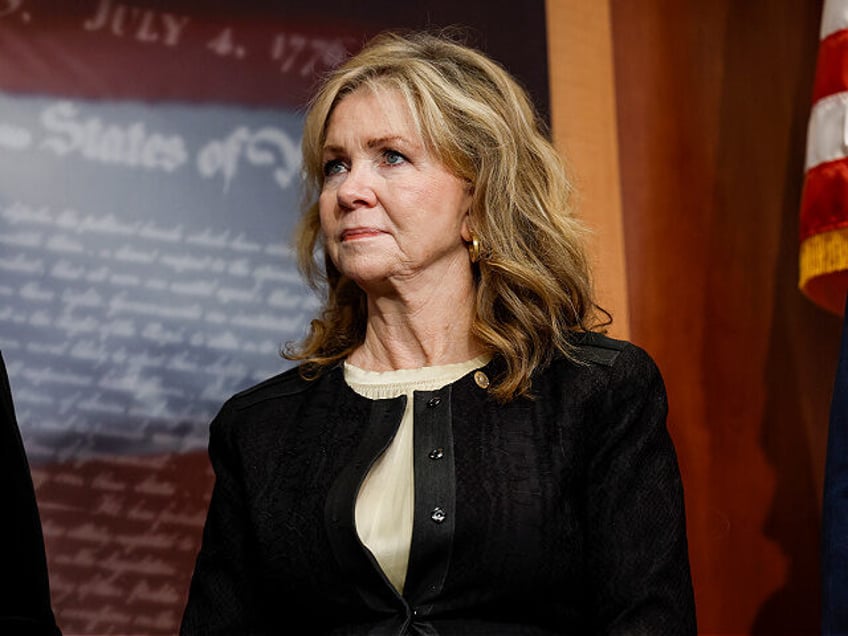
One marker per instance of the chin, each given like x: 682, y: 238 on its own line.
x: 363, y: 273
x: 371, y: 279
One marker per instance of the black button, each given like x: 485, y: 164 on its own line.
x: 437, y: 453
x: 433, y: 402
x: 438, y: 515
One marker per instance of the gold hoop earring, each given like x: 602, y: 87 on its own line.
x: 474, y: 248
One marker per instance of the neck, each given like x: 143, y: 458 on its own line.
x: 420, y: 326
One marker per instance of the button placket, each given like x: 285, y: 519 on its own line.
x: 435, y: 496
x: 437, y: 515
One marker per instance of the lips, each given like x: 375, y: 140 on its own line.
x: 359, y: 233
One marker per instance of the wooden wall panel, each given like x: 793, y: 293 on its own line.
x: 583, y: 119
x: 712, y: 105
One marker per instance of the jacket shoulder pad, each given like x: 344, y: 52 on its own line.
x: 596, y: 348
x: 284, y: 384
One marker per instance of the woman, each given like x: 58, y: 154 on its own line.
x: 457, y: 451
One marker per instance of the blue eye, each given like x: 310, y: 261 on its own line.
x: 333, y: 166
x: 393, y: 157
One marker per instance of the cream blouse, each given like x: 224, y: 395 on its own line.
x: 384, y: 503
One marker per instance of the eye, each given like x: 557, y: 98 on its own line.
x: 393, y: 157
x: 333, y: 167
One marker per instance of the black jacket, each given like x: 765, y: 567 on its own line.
x: 559, y: 514
x: 24, y: 589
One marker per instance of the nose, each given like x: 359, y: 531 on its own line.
x: 357, y: 188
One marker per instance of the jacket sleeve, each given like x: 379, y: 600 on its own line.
x: 637, y: 553
x: 221, y: 592
x: 24, y: 589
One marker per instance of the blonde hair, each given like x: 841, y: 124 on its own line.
x: 533, y: 283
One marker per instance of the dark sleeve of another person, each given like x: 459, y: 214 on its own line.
x: 24, y: 591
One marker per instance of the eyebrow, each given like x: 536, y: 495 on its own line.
x: 382, y: 141
x: 377, y: 142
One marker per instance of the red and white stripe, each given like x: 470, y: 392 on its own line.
x: 823, y: 257
x: 827, y: 138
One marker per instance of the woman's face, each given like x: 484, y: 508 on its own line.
x: 390, y: 212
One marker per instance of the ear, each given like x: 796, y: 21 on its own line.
x: 465, y: 228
